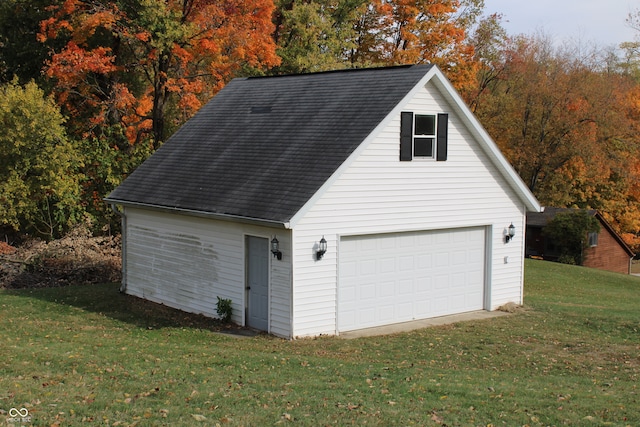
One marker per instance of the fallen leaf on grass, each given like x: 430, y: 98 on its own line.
x: 349, y: 406
x: 199, y: 417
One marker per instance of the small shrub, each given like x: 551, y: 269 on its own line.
x: 567, y: 259
x: 224, y: 309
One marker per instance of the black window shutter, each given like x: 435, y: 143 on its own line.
x: 406, y: 136
x: 443, y: 123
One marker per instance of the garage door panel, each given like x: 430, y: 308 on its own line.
x: 439, y: 304
x: 441, y: 282
x: 423, y: 311
x: 387, y: 289
x: 423, y: 286
x: 442, y: 259
x: 424, y: 261
x: 348, y: 294
x: 366, y: 315
x: 387, y: 313
x: 457, y: 301
x: 387, y: 265
x: 407, y: 262
x: 460, y: 257
x: 367, y: 267
x: 472, y: 297
x: 406, y: 287
x: 368, y: 292
x: 408, y: 242
x: 424, y: 240
x: 459, y: 281
x: 394, y: 278
x: 441, y: 238
x: 368, y: 245
x: 476, y: 256
x: 460, y: 237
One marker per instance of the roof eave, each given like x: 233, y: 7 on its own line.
x: 201, y: 214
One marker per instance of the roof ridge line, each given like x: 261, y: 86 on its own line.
x: 336, y: 71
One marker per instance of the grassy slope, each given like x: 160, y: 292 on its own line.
x: 85, y: 356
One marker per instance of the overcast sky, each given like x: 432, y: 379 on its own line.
x: 599, y: 21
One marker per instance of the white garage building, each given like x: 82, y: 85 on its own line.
x: 387, y: 166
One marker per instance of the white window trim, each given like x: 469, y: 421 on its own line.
x: 433, y: 156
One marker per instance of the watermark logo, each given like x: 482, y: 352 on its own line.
x: 19, y: 415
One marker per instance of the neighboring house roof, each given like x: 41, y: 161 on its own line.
x: 541, y: 219
x: 263, y: 147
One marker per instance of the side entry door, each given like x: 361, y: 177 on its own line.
x: 257, y: 282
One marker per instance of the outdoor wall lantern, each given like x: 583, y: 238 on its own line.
x: 511, y: 231
x: 322, y: 248
x: 275, y: 248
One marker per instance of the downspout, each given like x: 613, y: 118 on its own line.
x: 523, y: 252
x: 123, y: 244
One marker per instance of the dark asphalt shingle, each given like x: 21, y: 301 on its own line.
x: 263, y: 146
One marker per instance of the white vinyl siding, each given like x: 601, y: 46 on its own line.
x: 376, y: 193
x: 186, y: 262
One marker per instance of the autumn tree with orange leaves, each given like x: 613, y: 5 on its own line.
x: 149, y: 65
x: 428, y: 31
x: 140, y: 64
x: 129, y: 73
x: 568, y: 125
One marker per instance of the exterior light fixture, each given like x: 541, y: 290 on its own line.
x: 322, y: 248
x: 275, y: 248
x: 511, y: 231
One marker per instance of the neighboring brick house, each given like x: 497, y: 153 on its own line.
x: 606, y: 251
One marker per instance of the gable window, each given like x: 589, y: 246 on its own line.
x: 423, y: 136
x: 593, y: 239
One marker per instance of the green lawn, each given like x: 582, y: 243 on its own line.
x: 88, y: 355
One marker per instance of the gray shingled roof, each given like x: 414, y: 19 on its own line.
x: 540, y: 219
x: 262, y: 147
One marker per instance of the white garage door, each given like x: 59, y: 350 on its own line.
x: 394, y: 278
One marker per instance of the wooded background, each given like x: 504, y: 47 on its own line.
x: 91, y: 88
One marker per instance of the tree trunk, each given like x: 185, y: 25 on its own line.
x: 159, y: 100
